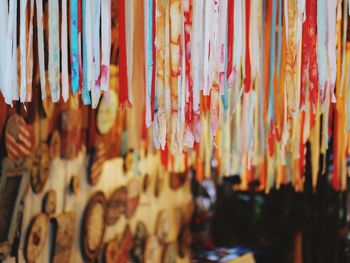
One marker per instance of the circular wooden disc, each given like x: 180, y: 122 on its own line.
x: 133, y: 197
x: 169, y: 253
x: 19, y: 137
x: 107, y: 112
x: 37, y: 236
x: 94, y: 226
x: 163, y: 226
x: 116, y: 205
x: 55, y: 145
x: 40, y: 168
x: 153, y: 251
x: 49, y: 203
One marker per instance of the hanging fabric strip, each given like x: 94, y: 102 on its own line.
x: 23, y: 48
x: 3, y: 33
x: 29, y: 73
x: 160, y: 65
x: 270, y: 118
x: 41, y: 53
x: 80, y: 52
x: 230, y: 37
x: 175, y: 60
x: 188, y: 134
x: 123, y: 68
x: 54, y: 51
x: 10, y: 35
x: 148, y: 55
x: 222, y: 48
x: 14, y: 86
x: 237, y: 44
x: 311, y: 11
x: 87, y: 52
x: 74, y: 45
x: 322, y: 47
x: 106, y: 42
x: 64, y: 50
x: 305, y: 58
x: 129, y: 30
x: 247, y: 79
x: 95, y: 92
x: 197, y: 49
x: 206, y: 53
x: 153, y: 89
x: 254, y: 45
x: 343, y: 47
x: 331, y: 45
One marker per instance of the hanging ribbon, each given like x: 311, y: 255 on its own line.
x: 106, y: 42
x: 123, y: 68
x: 54, y: 51
x: 64, y: 50
x: 23, y: 49
x: 74, y: 45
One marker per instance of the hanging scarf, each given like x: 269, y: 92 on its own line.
x: 29, y: 73
x: 106, y: 43
x: 40, y: 31
x: 123, y: 68
x: 54, y: 51
x: 87, y: 52
x: 23, y: 48
x: 64, y: 50
x: 230, y: 37
x: 331, y: 41
x: 74, y: 45
x: 95, y: 91
x: 247, y: 79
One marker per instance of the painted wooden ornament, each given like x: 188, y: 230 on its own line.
x: 169, y: 253
x: 153, y: 251
x: 98, y: 157
x: 75, y: 184
x: 55, y: 145
x: 64, y: 237
x: 162, y: 226
x: 70, y: 133
x: 107, y: 112
x: 19, y: 137
x: 37, y: 236
x: 93, y: 229
x: 133, y: 197
x: 116, y: 205
x: 117, y: 250
x: 49, y: 202
x: 40, y: 168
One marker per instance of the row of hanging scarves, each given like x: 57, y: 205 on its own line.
x: 256, y: 80
x: 82, y: 25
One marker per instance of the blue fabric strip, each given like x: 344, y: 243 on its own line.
x: 74, y: 45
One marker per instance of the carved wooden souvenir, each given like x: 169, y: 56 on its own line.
x: 116, y: 205
x: 133, y: 197
x: 184, y: 242
x: 19, y: 137
x: 145, y: 183
x: 117, y: 250
x: 93, y: 229
x: 37, y: 235
x: 107, y: 112
x: 158, y: 183
x: 128, y: 164
x: 177, y: 180
x: 40, y: 168
x: 98, y: 157
x: 153, y: 251
x: 162, y: 226
x: 55, y: 145
x: 70, y: 133
x: 14, y: 183
x: 49, y: 203
x: 169, y: 253
x: 64, y: 237
x: 74, y: 184
x: 140, y: 238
